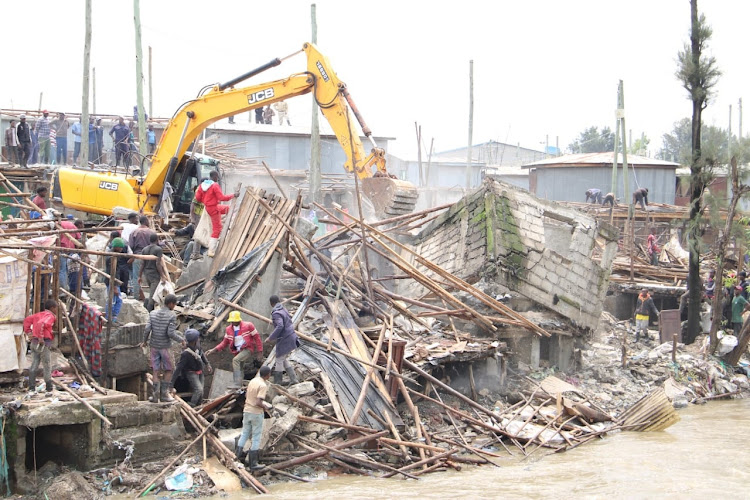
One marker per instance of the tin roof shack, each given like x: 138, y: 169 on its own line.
x: 566, y: 178
x: 540, y: 249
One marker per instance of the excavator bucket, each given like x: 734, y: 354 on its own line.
x: 390, y: 197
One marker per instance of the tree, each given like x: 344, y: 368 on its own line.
x: 640, y: 146
x: 698, y: 73
x: 592, y: 140
x: 676, y: 145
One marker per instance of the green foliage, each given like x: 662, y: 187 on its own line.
x: 592, y: 140
x: 640, y: 146
x: 698, y: 74
x: 676, y: 145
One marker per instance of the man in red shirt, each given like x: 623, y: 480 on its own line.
x: 653, y: 247
x: 39, y: 327
x: 243, y: 340
x: 209, y: 193
x: 41, y: 194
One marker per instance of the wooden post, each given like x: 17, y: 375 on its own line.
x: 471, y: 123
x: 142, y: 142
x: 93, y: 90
x: 419, y: 154
x: 315, y: 175
x: 674, y: 348
x: 85, y: 99
x: 150, y: 89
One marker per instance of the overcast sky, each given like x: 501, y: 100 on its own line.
x: 540, y: 67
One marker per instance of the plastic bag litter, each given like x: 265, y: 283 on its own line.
x: 726, y: 344
x: 181, y: 479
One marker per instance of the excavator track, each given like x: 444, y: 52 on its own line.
x: 390, y: 197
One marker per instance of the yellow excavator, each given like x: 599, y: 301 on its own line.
x: 99, y: 192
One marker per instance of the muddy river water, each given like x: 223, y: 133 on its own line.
x: 705, y: 455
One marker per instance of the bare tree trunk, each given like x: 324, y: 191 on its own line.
x: 696, y: 191
x: 716, y: 304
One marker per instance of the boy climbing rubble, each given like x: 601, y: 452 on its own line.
x: 161, y: 330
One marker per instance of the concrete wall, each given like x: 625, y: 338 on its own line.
x: 570, y: 183
x: 534, y: 247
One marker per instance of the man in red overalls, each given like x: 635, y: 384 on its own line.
x: 209, y: 193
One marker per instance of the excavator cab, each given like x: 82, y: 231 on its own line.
x: 193, y: 168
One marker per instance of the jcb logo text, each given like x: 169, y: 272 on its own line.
x: 261, y: 95
x: 110, y: 186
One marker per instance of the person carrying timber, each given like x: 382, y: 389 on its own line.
x: 641, y: 196
x: 39, y: 327
x: 739, y: 306
x: 209, y: 193
x: 191, y: 365
x: 243, y: 340
x: 610, y: 198
x: 286, y: 341
x: 595, y: 195
x: 644, y: 306
x: 161, y: 330
x: 252, y: 417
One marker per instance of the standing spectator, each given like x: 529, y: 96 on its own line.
x: 151, y: 135
x: 191, y: 365
x: 739, y: 306
x: 39, y: 199
x: 268, y: 115
x: 99, y: 130
x: 11, y: 143
x: 74, y: 270
x: 644, y: 306
x: 595, y: 195
x: 286, y: 340
x: 744, y: 283
x: 23, y: 133
x: 60, y: 129
x: 120, y: 134
x: 117, y: 246
x: 282, y: 108
x: 259, y: 115
x: 641, y: 196
x: 39, y: 327
x: 42, y: 130
x: 209, y: 193
x: 139, y: 239
x: 243, y: 341
x: 67, y: 240
x: 252, y: 417
x: 76, y: 131
x: 653, y: 247
x: 161, y: 330
x: 123, y: 263
x: 711, y: 284
x: 153, y: 271
x: 34, y: 146
x: 129, y: 226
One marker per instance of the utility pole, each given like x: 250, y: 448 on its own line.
x: 557, y: 145
x: 93, y: 90
x: 85, y: 99
x: 546, y: 146
x: 315, y: 194
x: 739, y: 111
x: 142, y: 143
x: 150, y: 87
x: 729, y: 137
x: 40, y: 101
x: 471, y: 123
x: 625, y: 175
x: 418, y: 128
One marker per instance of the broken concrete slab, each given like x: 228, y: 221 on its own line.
x: 302, y: 389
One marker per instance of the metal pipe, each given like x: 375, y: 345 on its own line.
x: 251, y: 73
x: 365, y: 129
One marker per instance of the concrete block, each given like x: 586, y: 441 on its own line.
x: 553, y: 278
x: 302, y: 389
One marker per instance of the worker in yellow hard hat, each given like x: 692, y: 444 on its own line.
x: 243, y: 340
